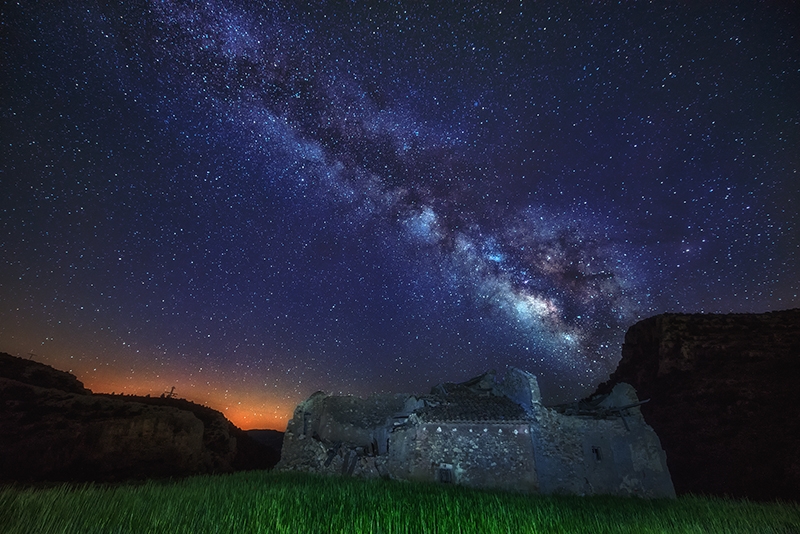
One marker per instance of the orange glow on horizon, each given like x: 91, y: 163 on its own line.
x: 247, y: 408
x: 246, y: 419
x: 242, y: 410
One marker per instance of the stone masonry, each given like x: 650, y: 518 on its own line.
x: 483, y: 433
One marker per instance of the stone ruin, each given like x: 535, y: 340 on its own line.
x: 483, y: 433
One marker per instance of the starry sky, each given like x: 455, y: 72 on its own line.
x: 251, y: 201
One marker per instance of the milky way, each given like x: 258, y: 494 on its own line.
x: 253, y: 202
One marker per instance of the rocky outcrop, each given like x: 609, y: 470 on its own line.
x: 70, y: 434
x: 724, y: 399
x: 39, y: 374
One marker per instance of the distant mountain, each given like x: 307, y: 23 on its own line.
x: 53, y: 428
x: 272, y: 439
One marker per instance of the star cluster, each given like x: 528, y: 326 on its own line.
x: 254, y: 201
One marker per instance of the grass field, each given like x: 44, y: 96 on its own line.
x: 292, y: 503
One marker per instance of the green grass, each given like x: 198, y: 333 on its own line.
x: 289, y: 503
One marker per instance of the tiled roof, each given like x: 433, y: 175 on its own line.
x: 464, y: 404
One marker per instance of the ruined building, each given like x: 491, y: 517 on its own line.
x: 485, y: 434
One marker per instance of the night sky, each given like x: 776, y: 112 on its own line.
x: 251, y: 203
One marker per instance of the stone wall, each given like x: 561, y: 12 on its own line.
x: 481, y: 439
x: 584, y: 455
x: 479, y: 455
x: 341, y: 434
x: 521, y: 387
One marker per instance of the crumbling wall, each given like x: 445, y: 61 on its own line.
x: 341, y: 434
x: 585, y: 455
x: 483, y: 440
x: 521, y: 387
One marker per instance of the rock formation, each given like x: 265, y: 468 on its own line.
x: 39, y: 374
x: 484, y: 434
x: 724, y: 399
x: 55, y: 429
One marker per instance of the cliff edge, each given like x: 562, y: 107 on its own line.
x: 55, y: 429
x: 724, y: 399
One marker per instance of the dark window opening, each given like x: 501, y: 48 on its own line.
x: 446, y: 475
x: 596, y: 454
